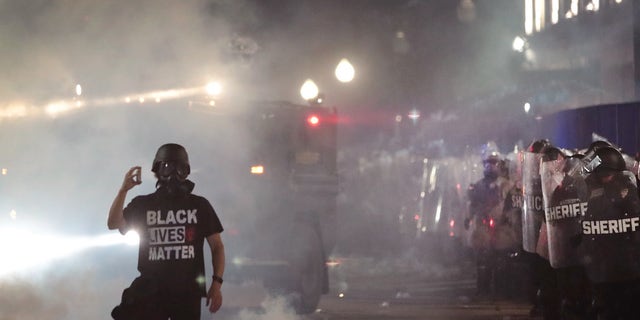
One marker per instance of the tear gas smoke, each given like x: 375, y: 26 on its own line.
x: 63, y: 172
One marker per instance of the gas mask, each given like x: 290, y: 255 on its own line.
x: 491, y: 168
x: 172, y: 170
x: 172, y: 178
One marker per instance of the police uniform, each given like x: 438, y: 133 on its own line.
x: 511, y: 282
x: 486, y: 198
x: 563, y: 213
x: 610, y: 245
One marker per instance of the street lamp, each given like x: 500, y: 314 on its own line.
x: 309, y: 90
x: 519, y: 44
x: 345, y: 71
x: 213, y: 88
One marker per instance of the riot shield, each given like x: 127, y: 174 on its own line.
x: 509, y: 229
x: 532, y: 207
x: 565, y: 202
x: 610, y: 246
x: 512, y: 212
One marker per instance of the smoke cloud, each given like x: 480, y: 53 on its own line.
x: 272, y: 308
x: 62, y: 172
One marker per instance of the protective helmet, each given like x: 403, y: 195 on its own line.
x: 492, y: 157
x: 551, y: 153
x: 607, y: 159
x: 590, y: 153
x: 490, y: 152
x: 171, y: 159
x: 594, y: 146
x: 491, y: 160
x: 538, y: 145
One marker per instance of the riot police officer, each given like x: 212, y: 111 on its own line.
x: 565, y: 201
x: 514, y: 276
x: 610, y: 246
x: 486, y: 197
x: 507, y: 235
x: 532, y: 217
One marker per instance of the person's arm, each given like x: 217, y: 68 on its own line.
x: 214, y: 296
x: 116, y: 217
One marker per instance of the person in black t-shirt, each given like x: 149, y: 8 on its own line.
x: 173, y: 224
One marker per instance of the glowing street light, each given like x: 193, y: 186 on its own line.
x: 519, y: 44
x: 345, y: 71
x: 414, y: 115
x: 309, y: 90
x: 213, y: 88
x: 78, y: 90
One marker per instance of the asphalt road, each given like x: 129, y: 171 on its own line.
x: 362, y: 289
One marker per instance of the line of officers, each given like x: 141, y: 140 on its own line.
x: 571, y: 218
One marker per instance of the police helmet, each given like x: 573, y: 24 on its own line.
x: 492, y: 157
x: 538, y: 145
x: 490, y: 152
x: 551, y: 153
x: 610, y: 159
x: 171, y: 159
x: 594, y: 146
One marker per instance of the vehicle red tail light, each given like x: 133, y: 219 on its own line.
x: 313, y: 120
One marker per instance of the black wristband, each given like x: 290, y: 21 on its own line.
x: 217, y: 279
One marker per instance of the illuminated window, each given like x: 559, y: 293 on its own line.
x: 574, y: 7
x: 528, y: 16
x: 555, y: 11
x: 539, y: 14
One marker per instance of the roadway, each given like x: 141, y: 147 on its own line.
x: 362, y: 289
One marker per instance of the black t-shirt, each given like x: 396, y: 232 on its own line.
x: 172, y: 232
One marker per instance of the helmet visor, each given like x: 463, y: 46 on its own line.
x: 592, y: 165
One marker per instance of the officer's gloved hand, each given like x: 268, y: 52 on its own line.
x: 467, y: 223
